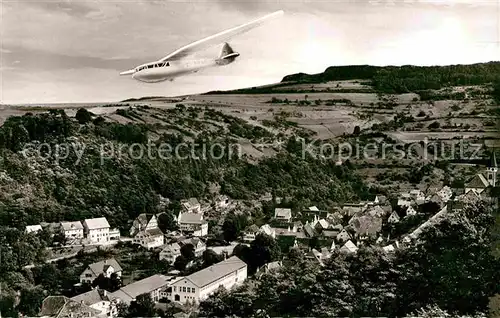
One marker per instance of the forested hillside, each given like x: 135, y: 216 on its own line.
x: 47, y: 188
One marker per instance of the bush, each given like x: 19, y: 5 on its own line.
x: 434, y: 125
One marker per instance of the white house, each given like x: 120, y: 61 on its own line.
x: 97, y: 230
x: 33, y: 228
x: 106, y: 267
x: 268, y: 230
x: 250, y: 233
x: 72, y: 230
x: 99, y: 300
x: 149, y: 238
x: 198, y: 286
x: 349, y: 247
x: 222, y: 201
x: 193, y: 223
x: 393, y: 218
x: 170, y: 252
x: 410, y: 211
x: 283, y: 214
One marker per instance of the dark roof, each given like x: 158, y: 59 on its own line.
x: 478, y: 182
x: 99, y: 267
x: 60, y: 306
x: 91, y: 297
x: 493, y: 160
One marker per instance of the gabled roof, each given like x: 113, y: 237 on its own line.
x: 252, y: 229
x: 191, y: 218
x: 98, y: 267
x: 267, y: 229
x: 96, y: 223
x: 367, y: 225
x: 69, y: 226
x: 91, y: 297
x: 478, y: 182
x: 216, y: 271
x: 171, y: 248
x: 144, y: 218
x: 283, y: 213
x: 154, y: 232
x: 309, y: 230
x: 349, y: 247
x: 61, y: 306
x: 146, y: 285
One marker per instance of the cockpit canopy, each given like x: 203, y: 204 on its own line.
x: 152, y: 65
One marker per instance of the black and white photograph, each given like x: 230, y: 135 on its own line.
x: 249, y: 158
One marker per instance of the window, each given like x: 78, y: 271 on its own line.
x: 193, y: 290
x: 183, y: 289
x: 188, y: 289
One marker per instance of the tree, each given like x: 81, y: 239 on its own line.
x: 180, y: 263
x: 264, y: 249
x: 83, y: 116
x: 166, y: 222
x: 188, y: 251
x: 142, y: 306
x: 210, y: 258
x: 233, y: 225
x: 31, y: 301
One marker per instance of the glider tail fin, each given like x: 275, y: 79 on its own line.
x: 227, y: 55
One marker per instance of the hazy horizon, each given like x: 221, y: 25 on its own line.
x: 72, y: 51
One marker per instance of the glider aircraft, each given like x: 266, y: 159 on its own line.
x: 176, y: 63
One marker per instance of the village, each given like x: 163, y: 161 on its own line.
x: 390, y: 222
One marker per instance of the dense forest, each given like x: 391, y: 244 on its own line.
x: 391, y: 79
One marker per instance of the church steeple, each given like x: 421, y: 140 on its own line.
x: 491, y: 171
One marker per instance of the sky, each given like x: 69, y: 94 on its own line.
x: 55, y: 51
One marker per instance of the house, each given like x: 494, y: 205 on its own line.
x: 99, y: 300
x: 191, y: 205
x: 380, y: 199
x: 269, y: 267
x: 222, y: 201
x: 155, y: 286
x: 268, y: 230
x: 402, y: 202
x: 64, y: 307
x: 445, y: 193
x: 198, y: 286
x: 193, y: 223
x: 309, y: 230
x: 366, y: 226
x: 33, y: 228
x: 313, y: 209
x: 393, y: 218
x: 349, y: 247
x: 72, y: 230
x: 283, y: 214
x: 114, y: 234
x: 410, y: 211
x: 199, y: 246
x: 343, y: 236
x: 388, y: 249
x: 481, y: 181
x: 149, y: 238
x: 106, y: 267
x: 143, y: 222
x: 322, y: 225
x: 319, y: 256
x: 97, y: 230
x: 250, y: 233
x: 170, y: 252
